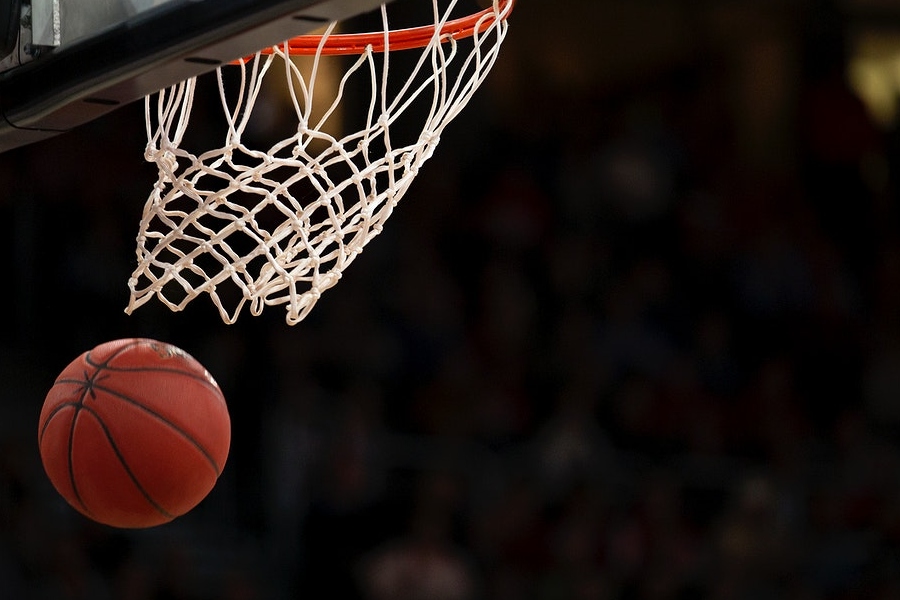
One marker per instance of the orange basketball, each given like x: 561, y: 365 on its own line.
x: 134, y: 433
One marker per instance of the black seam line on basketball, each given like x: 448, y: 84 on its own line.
x: 87, y: 384
x: 131, y: 475
x: 72, y: 381
x: 128, y: 346
x: 137, y: 342
x: 104, y: 365
x: 189, y: 374
x: 52, y: 414
x: 164, y: 420
x: 69, y: 462
x: 77, y: 406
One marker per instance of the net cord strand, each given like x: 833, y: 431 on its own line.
x: 297, y: 250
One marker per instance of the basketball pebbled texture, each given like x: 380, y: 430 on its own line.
x: 134, y: 433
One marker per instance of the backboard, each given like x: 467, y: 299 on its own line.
x: 67, y: 62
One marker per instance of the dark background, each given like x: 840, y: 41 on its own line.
x: 634, y: 333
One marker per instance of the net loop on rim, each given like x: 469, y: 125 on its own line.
x: 255, y: 225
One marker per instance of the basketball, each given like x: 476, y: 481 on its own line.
x: 134, y: 433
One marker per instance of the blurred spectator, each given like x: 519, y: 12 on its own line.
x: 424, y: 564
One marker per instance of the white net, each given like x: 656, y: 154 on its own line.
x: 255, y: 227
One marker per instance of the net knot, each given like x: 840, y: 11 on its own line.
x: 278, y: 225
x: 150, y: 152
x: 430, y: 138
x: 165, y: 159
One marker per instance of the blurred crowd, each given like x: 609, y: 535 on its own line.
x: 612, y: 345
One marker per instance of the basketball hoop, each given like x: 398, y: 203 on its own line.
x: 257, y: 227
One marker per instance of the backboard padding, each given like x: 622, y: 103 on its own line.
x: 146, y: 46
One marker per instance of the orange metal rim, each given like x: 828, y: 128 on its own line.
x: 400, y: 39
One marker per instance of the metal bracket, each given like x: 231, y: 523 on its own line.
x: 45, y: 23
x: 34, y: 29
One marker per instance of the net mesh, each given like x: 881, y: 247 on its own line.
x: 255, y: 227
